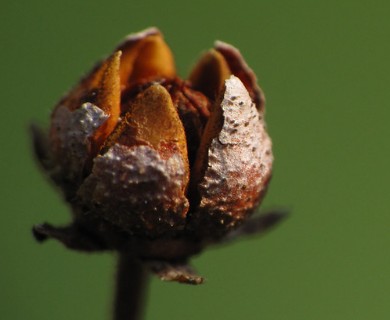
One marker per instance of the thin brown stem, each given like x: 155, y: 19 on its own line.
x: 130, y: 289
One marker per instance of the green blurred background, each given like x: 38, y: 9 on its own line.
x: 325, y: 69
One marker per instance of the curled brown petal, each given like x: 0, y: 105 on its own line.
x: 152, y: 120
x: 146, y: 57
x: 108, y: 99
x: 241, y: 70
x: 209, y: 74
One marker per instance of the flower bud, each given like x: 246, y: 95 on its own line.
x: 156, y: 164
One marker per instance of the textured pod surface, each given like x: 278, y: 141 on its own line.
x: 73, y: 130
x: 237, y: 164
x: 137, y: 190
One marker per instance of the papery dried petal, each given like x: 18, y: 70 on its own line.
x: 152, y: 120
x: 156, y: 120
x: 146, y: 57
x: 234, y: 161
x: 86, y: 90
x: 79, y: 128
x: 241, y: 70
x: 210, y: 73
x: 108, y: 97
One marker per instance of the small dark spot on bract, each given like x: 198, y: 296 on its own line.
x: 241, y: 103
x: 89, y: 96
x: 234, y: 98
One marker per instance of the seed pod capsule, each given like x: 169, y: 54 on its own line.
x: 153, y: 164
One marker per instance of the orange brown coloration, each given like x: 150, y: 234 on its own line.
x: 153, y: 164
x: 210, y: 74
x: 146, y: 57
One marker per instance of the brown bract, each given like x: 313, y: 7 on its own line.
x: 153, y: 164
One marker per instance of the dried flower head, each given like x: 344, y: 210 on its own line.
x: 155, y: 165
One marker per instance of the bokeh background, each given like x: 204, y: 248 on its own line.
x: 325, y: 69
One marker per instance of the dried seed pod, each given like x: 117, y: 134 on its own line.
x: 139, y: 183
x: 155, y: 165
x: 234, y: 162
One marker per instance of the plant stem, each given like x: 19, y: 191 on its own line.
x: 130, y: 289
